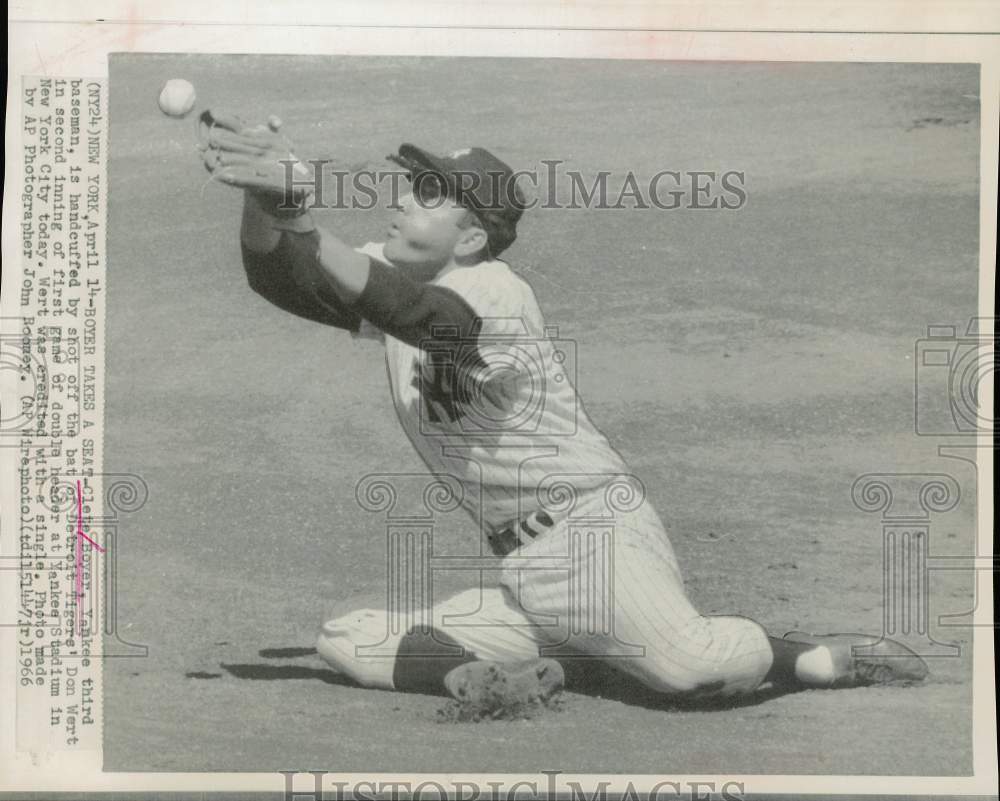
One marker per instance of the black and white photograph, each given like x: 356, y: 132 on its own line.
x: 448, y: 414
x: 532, y: 394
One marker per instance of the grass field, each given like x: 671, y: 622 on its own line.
x: 749, y: 365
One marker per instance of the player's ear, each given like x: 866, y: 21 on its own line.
x: 472, y: 241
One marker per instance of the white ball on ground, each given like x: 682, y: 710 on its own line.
x: 177, y: 97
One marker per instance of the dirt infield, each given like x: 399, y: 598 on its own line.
x: 749, y: 364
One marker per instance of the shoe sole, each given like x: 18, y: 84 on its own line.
x: 497, y: 689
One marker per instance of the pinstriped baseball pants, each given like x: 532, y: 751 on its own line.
x: 587, y: 587
x: 617, y: 595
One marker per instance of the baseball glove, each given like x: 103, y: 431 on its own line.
x: 258, y: 159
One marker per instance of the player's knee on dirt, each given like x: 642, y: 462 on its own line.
x: 416, y: 661
x: 710, y: 657
x: 479, y: 623
x: 359, y: 645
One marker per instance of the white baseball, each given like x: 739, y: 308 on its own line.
x: 177, y: 97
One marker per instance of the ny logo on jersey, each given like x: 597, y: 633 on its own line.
x: 434, y: 379
x: 452, y: 385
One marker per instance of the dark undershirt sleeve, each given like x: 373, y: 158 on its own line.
x: 443, y: 325
x: 433, y: 318
x: 419, y: 314
x: 289, y: 278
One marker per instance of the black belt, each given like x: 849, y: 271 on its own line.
x: 517, y: 535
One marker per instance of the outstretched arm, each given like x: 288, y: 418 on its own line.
x: 258, y: 233
x: 346, y: 270
x: 279, y: 240
x: 279, y: 257
x: 309, y: 271
x: 306, y: 269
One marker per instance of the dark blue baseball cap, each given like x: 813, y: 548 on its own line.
x: 477, y: 180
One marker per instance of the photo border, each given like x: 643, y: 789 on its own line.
x: 51, y: 38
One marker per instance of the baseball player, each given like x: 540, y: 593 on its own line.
x: 482, y: 395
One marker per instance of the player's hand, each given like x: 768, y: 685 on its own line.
x: 258, y: 159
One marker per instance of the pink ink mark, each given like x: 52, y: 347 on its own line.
x: 79, y: 557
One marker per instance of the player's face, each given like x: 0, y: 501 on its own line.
x: 425, y: 232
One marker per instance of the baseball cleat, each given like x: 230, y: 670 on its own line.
x: 861, y: 660
x: 489, y: 689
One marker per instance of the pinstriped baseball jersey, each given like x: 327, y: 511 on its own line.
x: 483, y: 395
x: 494, y: 406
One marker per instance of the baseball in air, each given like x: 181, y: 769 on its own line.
x: 177, y: 97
